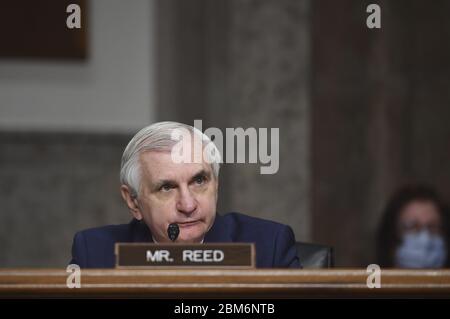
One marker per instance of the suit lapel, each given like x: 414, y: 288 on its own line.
x: 218, y: 232
x: 140, y: 232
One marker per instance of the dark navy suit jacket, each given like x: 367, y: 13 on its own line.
x: 274, y: 242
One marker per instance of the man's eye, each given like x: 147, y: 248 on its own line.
x: 165, y: 188
x: 200, y: 180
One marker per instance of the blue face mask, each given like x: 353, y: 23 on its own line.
x: 421, y: 250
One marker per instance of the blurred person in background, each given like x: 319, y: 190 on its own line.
x: 414, y: 230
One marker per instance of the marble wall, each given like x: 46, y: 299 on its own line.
x: 244, y: 64
x: 52, y: 185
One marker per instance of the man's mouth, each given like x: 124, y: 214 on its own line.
x: 188, y: 224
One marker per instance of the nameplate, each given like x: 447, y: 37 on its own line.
x: 213, y: 255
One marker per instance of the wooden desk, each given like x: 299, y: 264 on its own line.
x: 204, y: 283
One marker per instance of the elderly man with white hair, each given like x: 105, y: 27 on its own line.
x: 160, y: 190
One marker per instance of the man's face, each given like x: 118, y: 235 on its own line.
x: 182, y: 193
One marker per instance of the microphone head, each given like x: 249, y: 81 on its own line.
x: 173, y: 231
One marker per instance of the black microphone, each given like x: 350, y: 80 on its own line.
x: 173, y: 231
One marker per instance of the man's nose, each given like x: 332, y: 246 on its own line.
x: 186, y: 203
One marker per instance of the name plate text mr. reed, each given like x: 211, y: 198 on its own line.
x: 150, y: 255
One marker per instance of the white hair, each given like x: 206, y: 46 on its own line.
x: 158, y: 137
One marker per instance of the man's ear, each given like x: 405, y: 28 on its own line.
x: 131, y: 202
